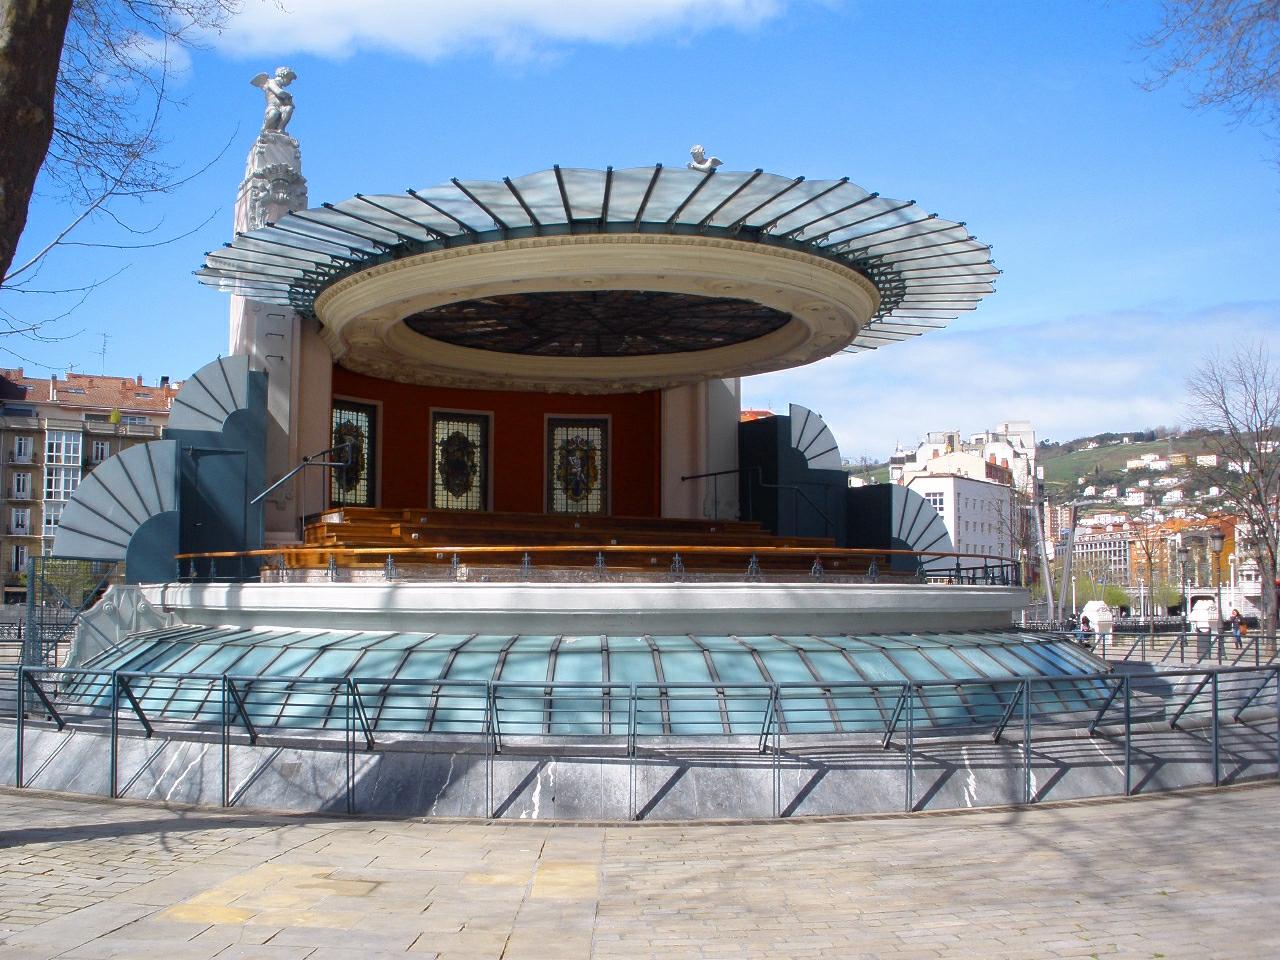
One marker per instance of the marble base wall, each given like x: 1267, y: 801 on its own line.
x: 677, y: 782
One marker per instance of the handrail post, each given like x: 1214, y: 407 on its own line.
x: 494, y: 729
x: 349, y: 745
x: 777, y: 769
x: 1026, y: 742
x: 1216, y: 746
x: 226, y: 747
x: 1008, y: 714
x: 21, y: 722
x: 113, y: 772
x: 487, y: 730
x: 1106, y: 705
x: 908, y: 695
x: 631, y: 753
x: 137, y: 707
x: 1177, y: 714
x: 894, y: 718
x: 361, y: 715
x: 1128, y: 736
x: 1275, y: 671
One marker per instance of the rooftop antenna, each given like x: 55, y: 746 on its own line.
x: 102, y: 352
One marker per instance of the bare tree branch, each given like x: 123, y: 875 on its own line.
x: 1230, y: 49
x: 82, y: 87
x: 1237, y: 397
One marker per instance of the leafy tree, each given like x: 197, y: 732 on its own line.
x: 1167, y: 595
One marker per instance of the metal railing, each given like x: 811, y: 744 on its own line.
x: 1184, y: 647
x: 663, y: 561
x: 795, y: 489
x: 627, y: 721
x: 58, y: 592
x: 1150, y: 624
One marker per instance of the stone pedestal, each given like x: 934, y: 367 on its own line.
x: 283, y: 344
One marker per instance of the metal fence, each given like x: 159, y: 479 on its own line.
x: 1183, y: 647
x: 58, y: 592
x: 626, y: 720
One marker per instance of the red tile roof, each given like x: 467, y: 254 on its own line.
x: 128, y: 394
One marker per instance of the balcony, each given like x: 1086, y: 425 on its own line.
x: 57, y: 423
x: 25, y: 460
x: 19, y: 423
x: 18, y: 531
x: 97, y: 428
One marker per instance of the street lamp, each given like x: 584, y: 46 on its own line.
x: 1216, y: 543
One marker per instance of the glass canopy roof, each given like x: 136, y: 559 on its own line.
x: 586, y: 685
x: 927, y: 269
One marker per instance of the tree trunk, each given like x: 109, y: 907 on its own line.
x: 31, y: 36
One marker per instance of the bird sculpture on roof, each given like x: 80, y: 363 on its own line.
x: 701, y: 161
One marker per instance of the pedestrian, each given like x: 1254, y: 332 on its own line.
x: 1236, y: 622
x: 1085, y: 633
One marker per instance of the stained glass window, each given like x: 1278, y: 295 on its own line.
x: 459, y: 461
x: 356, y: 424
x: 578, y: 465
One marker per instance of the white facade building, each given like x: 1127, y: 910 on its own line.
x: 1010, y: 446
x: 978, y: 514
x: 1102, y: 552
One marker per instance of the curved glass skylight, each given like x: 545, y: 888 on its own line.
x: 593, y: 685
x: 926, y: 269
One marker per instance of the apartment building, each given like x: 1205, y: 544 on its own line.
x: 979, y: 514
x: 53, y: 432
x: 1102, y: 550
x: 1010, y: 447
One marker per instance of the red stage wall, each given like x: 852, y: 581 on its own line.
x: 518, y: 441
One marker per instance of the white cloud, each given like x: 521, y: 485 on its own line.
x: 1071, y: 377
x: 152, y: 53
x: 431, y: 29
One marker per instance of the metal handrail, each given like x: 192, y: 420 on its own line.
x: 761, y: 713
x: 310, y: 461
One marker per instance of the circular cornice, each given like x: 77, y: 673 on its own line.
x: 363, y: 314
x: 925, y: 270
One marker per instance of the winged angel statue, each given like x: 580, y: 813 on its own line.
x: 279, y: 100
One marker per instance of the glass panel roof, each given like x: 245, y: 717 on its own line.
x: 927, y: 269
x: 565, y: 685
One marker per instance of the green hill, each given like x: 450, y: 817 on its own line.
x: 1060, y: 472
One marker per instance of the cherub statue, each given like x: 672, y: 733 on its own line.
x: 279, y: 100
x: 701, y: 161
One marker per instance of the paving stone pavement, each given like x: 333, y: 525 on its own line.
x: 1194, y: 875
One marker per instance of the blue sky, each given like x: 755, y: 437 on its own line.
x: 1135, y: 234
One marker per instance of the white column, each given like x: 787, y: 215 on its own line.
x: 288, y: 347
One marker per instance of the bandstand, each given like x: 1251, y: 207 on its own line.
x: 467, y: 522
